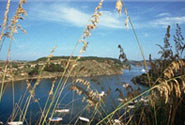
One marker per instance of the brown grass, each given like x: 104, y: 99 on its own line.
x: 170, y: 86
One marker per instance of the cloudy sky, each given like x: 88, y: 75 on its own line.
x: 61, y: 24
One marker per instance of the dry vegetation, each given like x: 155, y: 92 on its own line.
x: 161, y: 103
x: 85, y: 67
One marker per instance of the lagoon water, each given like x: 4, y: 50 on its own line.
x: 69, y: 99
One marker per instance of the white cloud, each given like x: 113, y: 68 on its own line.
x: 65, y: 14
x: 59, y: 13
x: 71, y: 16
x: 168, y: 21
x: 163, y: 14
x: 74, y: 16
x: 111, y: 20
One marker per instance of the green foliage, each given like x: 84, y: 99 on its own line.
x: 98, y: 59
x: 14, y: 65
x: 34, y: 71
x: 53, y: 68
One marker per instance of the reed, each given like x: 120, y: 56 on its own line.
x: 94, y: 20
x: 4, y: 25
x: 172, y: 84
x: 13, y: 28
x: 167, y: 92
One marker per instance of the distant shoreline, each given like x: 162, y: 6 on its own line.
x: 84, y: 67
x: 52, y: 77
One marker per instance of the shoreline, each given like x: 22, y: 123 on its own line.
x: 86, y: 67
x: 58, y: 76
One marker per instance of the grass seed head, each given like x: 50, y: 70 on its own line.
x: 5, y: 20
x: 119, y: 5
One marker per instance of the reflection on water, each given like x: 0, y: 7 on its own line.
x: 112, y: 85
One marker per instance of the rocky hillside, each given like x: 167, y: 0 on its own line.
x: 85, y: 67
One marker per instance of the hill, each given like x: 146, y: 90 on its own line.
x: 85, y: 67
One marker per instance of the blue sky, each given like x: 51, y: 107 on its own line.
x: 61, y: 24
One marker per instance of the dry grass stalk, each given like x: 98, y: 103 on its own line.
x: 119, y: 5
x: 94, y: 21
x: 91, y: 100
x: 126, y: 22
x: 87, y: 32
x: 171, y: 84
x: 52, y: 87
x: 83, y: 82
x: 28, y: 84
x: 13, y: 27
x: 5, y: 20
x: 32, y: 90
x: 5, y: 70
x: 93, y: 97
x: 1, y: 35
x: 20, y: 11
x: 173, y: 68
x: 62, y: 82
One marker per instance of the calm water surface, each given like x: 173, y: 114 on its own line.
x: 101, y: 83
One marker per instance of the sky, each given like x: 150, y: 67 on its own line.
x: 61, y: 23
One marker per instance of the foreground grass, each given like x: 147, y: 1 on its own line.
x: 166, y: 94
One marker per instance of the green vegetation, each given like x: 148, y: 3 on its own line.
x: 53, y: 68
x: 34, y: 71
x: 88, y: 66
x: 49, y: 68
x: 98, y: 59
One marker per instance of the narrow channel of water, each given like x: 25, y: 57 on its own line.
x: 69, y: 100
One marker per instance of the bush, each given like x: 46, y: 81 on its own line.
x: 54, y: 68
x: 34, y: 71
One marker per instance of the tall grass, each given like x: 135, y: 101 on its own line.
x: 10, y: 34
x: 167, y: 90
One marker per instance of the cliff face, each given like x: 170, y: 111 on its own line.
x: 85, y: 67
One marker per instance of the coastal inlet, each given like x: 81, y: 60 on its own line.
x: 85, y: 67
x: 112, y: 88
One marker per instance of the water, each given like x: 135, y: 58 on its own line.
x: 100, y: 83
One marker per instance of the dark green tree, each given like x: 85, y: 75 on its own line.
x: 53, y: 68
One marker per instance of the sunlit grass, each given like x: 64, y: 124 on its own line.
x: 166, y: 88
